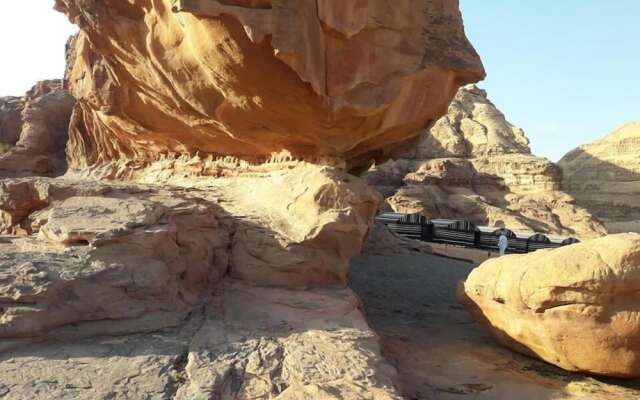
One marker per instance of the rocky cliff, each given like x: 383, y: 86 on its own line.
x: 214, y: 261
x: 318, y: 79
x: 604, y: 177
x: 35, y: 130
x: 475, y: 165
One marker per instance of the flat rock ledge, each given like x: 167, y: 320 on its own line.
x: 132, y: 291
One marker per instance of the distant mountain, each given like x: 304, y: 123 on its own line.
x: 604, y: 177
x: 477, y: 166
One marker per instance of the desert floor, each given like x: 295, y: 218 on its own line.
x: 441, y: 353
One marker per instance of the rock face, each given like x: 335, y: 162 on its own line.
x: 10, y: 120
x: 575, y: 307
x: 36, y: 130
x: 322, y: 79
x: 208, y: 269
x: 475, y: 165
x: 296, y: 238
x: 604, y: 177
x: 214, y: 263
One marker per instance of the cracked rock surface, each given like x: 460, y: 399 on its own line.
x: 132, y: 291
x: 243, y: 343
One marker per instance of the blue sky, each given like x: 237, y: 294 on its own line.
x: 566, y: 71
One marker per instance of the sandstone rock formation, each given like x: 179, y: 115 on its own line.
x: 36, y: 130
x: 10, y: 120
x: 214, y: 264
x: 198, y: 266
x: 474, y: 165
x: 575, y: 307
x: 323, y: 79
x: 604, y: 177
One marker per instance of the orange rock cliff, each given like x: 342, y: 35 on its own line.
x: 319, y: 79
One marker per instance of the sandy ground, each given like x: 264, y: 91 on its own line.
x: 441, y: 353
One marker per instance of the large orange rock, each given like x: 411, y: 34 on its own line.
x: 577, y: 307
x: 249, y: 78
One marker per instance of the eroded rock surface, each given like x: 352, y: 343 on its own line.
x: 604, y: 177
x: 207, y: 271
x: 245, y: 342
x: 101, y: 254
x: 211, y: 112
x: 575, y: 307
x: 248, y: 79
x: 35, y: 128
x: 474, y: 165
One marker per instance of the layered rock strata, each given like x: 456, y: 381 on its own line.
x: 35, y: 130
x: 604, y: 177
x: 320, y: 79
x: 575, y: 307
x: 474, y: 165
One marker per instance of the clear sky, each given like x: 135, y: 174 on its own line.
x: 566, y: 71
x: 32, y: 40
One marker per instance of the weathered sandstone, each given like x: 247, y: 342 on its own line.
x: 323, y: 79
x: 215, y: 262
x: 472, y: 128
x: 208, y: 271
x: 575, y: 307
x: 10, y: 120
x: 36, y: 130
x: 244, y: 343
x: 475, y: 165
x: 604, y: 177
x: 296, y: 227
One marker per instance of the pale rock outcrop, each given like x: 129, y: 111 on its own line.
x: 38, y: 135
x: 604, y: 177
x: 209, y: 269
x: 244, y: 343
x: 323, y: 79
x: 102, y: 254
x: 575, y: 307
x: 474, y: 165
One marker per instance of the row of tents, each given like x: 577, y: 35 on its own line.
x: 464, y: 233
